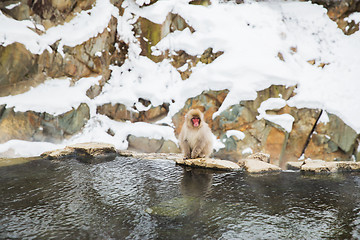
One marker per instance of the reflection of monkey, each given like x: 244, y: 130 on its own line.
x: 195, y: 138
x: 196, y: 182
x: 195, y: 187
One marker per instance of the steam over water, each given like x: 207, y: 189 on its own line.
x: 137, y: 199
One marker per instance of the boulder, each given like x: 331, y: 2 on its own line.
x: 117, y: 112
x: 72, y: 121
x: 260, y: 156
x: 120, y: 112
x: 34, y: 126
x: 169, y: 146
x: 317, y: 166
x: 92, y: 148
x: 331, y: 140
x: 16, y: 56
x: 151, y: 145
x: 209, y: 163
x: 144, y: 144
x: 257, y: 166
x: 320, y: 166
x: 294, y: 165
x: 58, y: 154
x: 91, y: 152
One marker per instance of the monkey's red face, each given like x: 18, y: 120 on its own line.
x: 195, y: 121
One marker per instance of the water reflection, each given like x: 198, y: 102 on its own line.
x: 195, y: 185
x: 196, y: 182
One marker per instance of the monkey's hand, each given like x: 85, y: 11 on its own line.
x: 195, y: 153
x: 187, y: 155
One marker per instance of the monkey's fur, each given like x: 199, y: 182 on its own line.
x: 195, y: 138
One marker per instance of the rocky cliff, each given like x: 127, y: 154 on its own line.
x: 313, y: 132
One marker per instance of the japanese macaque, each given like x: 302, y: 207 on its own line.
x: 195, y: 138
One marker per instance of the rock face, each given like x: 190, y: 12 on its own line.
x: 333, y: 140
x: 21, y: 69
x: 15, y: 56
x: 82, y: 60
x: 34, y: 126
x: 153, y: 32
x: 119, y: 112
x: 309, y: 135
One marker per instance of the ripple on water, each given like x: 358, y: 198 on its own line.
x: 44, y: 199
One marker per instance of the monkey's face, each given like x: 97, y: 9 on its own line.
x: 194, y: 118
x: 195, y: 121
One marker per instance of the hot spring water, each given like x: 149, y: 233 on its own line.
x: 138, y: 199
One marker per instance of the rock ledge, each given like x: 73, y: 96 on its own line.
x: 320, y: 166
x: 94, y: 152
x: 91, y: 152
x: 209, y: 163
x: 256, y: 166
x: 258, y: 163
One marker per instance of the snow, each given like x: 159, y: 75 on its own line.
x: 236, y: 133
x: 184, y: 67
x: 97, y: 127
x: 19, y: 148
x: 247, y: 151
x: 11, y: 6
x: 353, y: 17
x: 83, y: 26
x: 54, y: 96
x: 251, y: 35
x: 324, y: 118
x: 283, y: 120
x: 142, y: 2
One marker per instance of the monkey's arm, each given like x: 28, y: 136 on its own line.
x: 185, y: 147
x: 184, y: 144
x: 198, y: 149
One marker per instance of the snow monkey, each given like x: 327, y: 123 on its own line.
x: 195, y: 138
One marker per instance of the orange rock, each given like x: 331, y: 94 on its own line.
x: 274, y: 143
